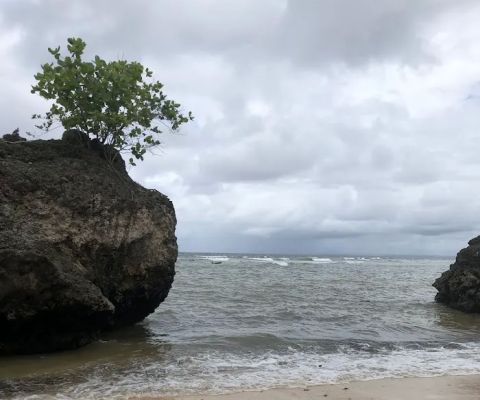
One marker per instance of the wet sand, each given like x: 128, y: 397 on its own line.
x: 438, y: 388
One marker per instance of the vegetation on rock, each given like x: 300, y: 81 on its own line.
x: 112, y: 102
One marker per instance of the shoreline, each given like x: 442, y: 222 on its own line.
x: 448, y: 387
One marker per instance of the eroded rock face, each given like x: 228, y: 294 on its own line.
x: 459, y: 287
x: 83, y: 248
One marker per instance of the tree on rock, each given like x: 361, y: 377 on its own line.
x: 113, y: 102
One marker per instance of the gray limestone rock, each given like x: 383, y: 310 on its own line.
x: 459, y: 287
x: 83, y: 248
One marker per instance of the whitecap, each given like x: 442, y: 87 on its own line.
x: 215, y: 258
x: 321, y: 260
x: 280, y: 262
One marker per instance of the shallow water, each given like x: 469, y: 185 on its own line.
x: 246, y: 322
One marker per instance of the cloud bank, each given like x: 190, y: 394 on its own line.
x: 322, y: 127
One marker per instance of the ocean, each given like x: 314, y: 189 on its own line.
x: 246, y: 322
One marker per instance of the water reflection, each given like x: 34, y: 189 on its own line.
x: 117, y: 353
x: 456, y: 321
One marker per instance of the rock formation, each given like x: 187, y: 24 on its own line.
x: 14, y: 137
x: 83, y: 248
x: 459, y: 287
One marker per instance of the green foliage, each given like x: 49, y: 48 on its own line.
x: 110, y: 101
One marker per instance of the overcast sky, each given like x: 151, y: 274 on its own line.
x: 322, y: 126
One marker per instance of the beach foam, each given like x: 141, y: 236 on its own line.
x: 220, y: 372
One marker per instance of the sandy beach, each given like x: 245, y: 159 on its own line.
x: 437, y: 388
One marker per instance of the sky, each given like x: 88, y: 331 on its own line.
x: 321, y: 126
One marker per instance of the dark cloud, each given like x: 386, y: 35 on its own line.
x: 303, y: 31
x: 352, y: 31
x: 346, y: 126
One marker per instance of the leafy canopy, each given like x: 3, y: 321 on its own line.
x: 109, y: 101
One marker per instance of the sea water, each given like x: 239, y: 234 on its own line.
x: 245, y: 322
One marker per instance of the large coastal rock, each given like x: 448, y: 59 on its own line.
x: 83, y: 248
x: 459, y: 287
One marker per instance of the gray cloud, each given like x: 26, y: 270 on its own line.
x: 321, y: 126
x: 353, y: 31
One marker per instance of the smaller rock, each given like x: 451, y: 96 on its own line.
x: 13, y: 137
x: 459, y: 287
x: 74, y: 136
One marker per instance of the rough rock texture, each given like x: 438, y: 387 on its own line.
x: 83, y: 248
x: 14, y: 137
x: 459, y: 287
